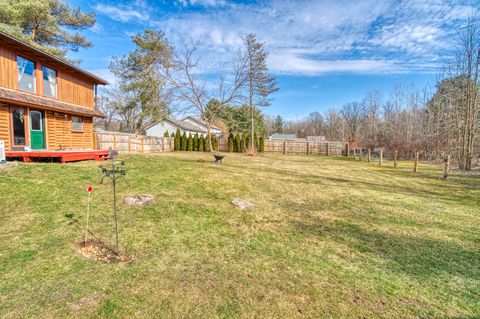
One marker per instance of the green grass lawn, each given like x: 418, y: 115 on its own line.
x: 328, y: 238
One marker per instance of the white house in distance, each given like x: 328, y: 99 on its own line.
x: 189, y: 125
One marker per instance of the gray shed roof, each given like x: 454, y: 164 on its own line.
x: 283, y: 137
x: 200, y: 121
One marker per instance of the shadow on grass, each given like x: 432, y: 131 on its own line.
x: 447, y: 190
x: 420, y: 257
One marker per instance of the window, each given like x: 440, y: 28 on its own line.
x: 77, y: 124
x: 26, y: 75
x: 36, y: 121
x: 18, y: 119
x: 49, y: 82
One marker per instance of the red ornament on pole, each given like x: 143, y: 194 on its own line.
x: 89, y: 189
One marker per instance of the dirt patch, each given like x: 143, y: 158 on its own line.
x: 96, y: 250
x: 201, y: 161
x: 86, y: 302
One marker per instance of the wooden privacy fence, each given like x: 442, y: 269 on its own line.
x: 298, y: 147
x: 131, y: 143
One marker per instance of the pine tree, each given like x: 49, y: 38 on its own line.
x: 231, y: 141
x: 261, y: 84
x: 166, y: 134
x: 47, y: 24
x: 183, y: 142
x: 261, y: 146
x: 195, y: 142
x: 178, y: 140
x: 173, y: 134
x: 190, y: 142
x: 255, y: 136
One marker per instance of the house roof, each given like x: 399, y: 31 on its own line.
x: 38, y: 52
x: 200, y: 121
x: 16, y: 97
x: 283, y: 136
x: 182, y: 125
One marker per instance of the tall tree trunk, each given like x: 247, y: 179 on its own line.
x: 251, y: 112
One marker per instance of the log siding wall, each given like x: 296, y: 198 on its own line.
x: 71, y: 87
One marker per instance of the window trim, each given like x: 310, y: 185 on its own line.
x: 35, y: 80
x: 44, y: 65
x: 41, y: 120
x: 83, y: 124
x: 25, y: 125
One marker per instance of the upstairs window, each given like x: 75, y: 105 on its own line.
x: 26, y: 75
x: 77, y: 124
x: 49, y: 82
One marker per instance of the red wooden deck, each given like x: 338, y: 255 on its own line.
x: 57, y: 156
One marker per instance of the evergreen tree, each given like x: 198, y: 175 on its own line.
x: 261, y: 146
x: 260, y: 83
x: 201, y: 141
x: 214, y: 143
x: 247, y: 141
x: 237, y: 143
x: 278, y: 124
x: 242, y: 144
x: 195, y: 142
x: 178, y: 139
x: 231, y: 141
x: 173, y: 134
x: 46, y: 24
x: 255, y: 136
x: 183, y: 142
x: 206, y: 145
x: 166, y: 134
x: 190, y: 142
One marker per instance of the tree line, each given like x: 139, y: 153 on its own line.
x: 437, y: 122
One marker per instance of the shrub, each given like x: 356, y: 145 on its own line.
x: 261, y: 145
x: 247, y: 141
x: 206, y: 145
x: 166, y: 134
x: 178, y: 140
x: 237, y: 143
x: 195, y: 142
x: 190, y: 142
x: 201, y: 141
x: 173, y: 134
x: 231, y: 141
x: 255, y: 136
x: 242, y: 143
x: 214, y: 143
x: 183, y: 142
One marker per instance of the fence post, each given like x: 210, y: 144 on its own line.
x: 395, y: 155
x: 114, y: 141
x: 348, y: 150
x: 446, y: 167
x: 143, y: 142
x: 308, y: 147
x: 284, y: 147
x: 354, y: 153
x: 381, y: 156
x: 129, y: 144
x: 416, y: 162
x: 369, y: 154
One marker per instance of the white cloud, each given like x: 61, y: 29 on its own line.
x: 204, y: 3
x: 138, y: 10
x: 311, y: 36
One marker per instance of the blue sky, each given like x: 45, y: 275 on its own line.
x: 323, y: 53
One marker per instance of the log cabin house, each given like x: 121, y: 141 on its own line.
x: 47, y: 105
